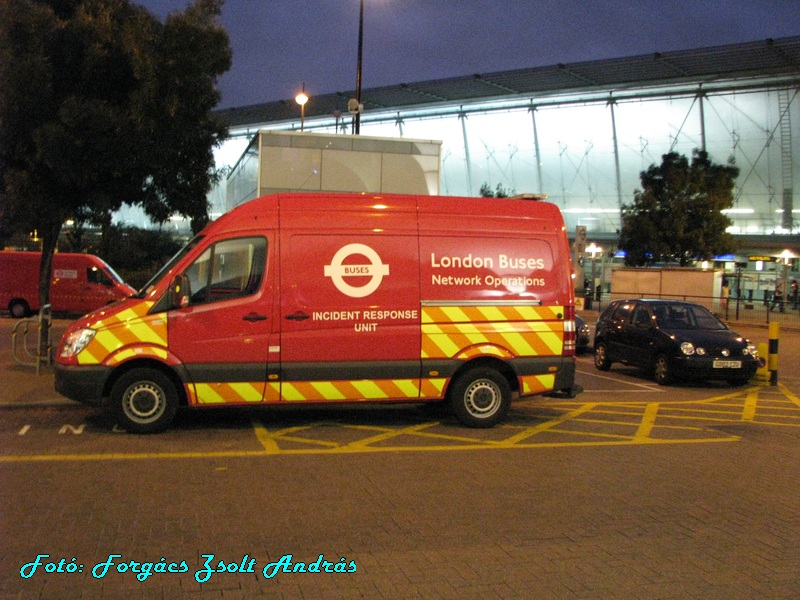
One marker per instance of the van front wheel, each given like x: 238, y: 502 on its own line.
x: 144, y: 401
x: 480, y: 397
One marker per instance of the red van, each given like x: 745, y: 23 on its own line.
x: 81, y: 283
x: 316, y: 298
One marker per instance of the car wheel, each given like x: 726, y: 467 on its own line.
x: 144, y: 400
x: 19, y: 309
x: 480, y: 397
x: 601, y: 360
x: 662, y: 371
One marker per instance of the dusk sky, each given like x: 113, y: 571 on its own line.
x: 279, y: 45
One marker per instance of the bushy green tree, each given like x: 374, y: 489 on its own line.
x: 102, y: 105
x: 677, y: 215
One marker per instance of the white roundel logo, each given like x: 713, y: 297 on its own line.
x: 374, y: 270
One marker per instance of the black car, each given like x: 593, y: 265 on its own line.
x: 673, y: 339
x: 583, y: 336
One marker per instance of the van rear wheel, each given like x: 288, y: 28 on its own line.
x: 144, y: 401
x: 480, y: 397
x: 19, y: 309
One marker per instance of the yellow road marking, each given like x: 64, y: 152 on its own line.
x: 789, y: 394
x: 749, y: 412
x: 648, y: 421
x: 265, y: 438
x: 531, y: 431
x: 646, y: 417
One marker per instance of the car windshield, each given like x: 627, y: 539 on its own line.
x: 686, y: 316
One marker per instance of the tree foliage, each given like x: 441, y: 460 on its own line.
x: 486, y: 191
x: 103, y: 105
x: 677, y: 215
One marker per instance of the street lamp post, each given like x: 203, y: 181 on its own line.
x: 358, y: 66
x: 301, y: 99
x: 594, y: 250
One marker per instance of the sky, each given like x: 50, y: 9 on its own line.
x: 281, y: 46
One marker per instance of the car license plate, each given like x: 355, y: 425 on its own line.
x: 727, y: 364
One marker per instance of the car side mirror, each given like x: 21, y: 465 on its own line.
x: 180, y: 292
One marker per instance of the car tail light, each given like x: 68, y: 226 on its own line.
x: 570, y: 335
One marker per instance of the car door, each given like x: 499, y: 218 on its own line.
x: 639, y: 337
x: 225, y: 334
x: 616, y: 331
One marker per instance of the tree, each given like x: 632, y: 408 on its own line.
x: 499, y: 192
x: 677, y: 215
x: 101, y: 104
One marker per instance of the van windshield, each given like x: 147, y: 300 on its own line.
x: 168, y: 267
x: 113, y: 274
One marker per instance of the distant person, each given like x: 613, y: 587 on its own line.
x: 777, y: 297
x: 793, y: 294
x: 725, y: 294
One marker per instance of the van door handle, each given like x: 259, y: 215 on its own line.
x: 254, y: 317
x: 298, y: 316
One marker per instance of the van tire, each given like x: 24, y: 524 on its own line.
x: 19, y: 309
x: 144, y: 400
x: 480, y: 397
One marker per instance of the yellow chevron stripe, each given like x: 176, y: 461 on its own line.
x: 462, y: 314
x: 537, y: 384
x: 127, y: 328
x: 370, y: 389
x: 229, y: 393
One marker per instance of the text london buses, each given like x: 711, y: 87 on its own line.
x: 487, y: 262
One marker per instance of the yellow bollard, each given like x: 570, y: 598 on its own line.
x: 772, y: 357
x: 762, y: 373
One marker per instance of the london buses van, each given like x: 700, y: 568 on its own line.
x: 319, y: 298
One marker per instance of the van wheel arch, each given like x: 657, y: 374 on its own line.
x: 488, y: 362
x: 147, y: 364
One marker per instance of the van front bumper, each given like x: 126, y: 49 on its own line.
x: 82, y: 384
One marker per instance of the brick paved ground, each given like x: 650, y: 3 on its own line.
x: 718, y: 520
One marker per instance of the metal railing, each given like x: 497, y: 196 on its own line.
x: 25, y: 355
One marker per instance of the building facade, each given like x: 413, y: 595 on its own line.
x: 582, y: 133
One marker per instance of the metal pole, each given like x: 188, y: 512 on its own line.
x: 358, y: 68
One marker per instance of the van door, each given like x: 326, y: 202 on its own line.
x: 224, y: 336
x: 350, y: 314
x: 67, y: 285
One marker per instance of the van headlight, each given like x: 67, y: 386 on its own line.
x: 76, y: 341
x: 687, y: 348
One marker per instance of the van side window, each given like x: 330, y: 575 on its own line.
x: 95, y: 275
x: 228, y: 269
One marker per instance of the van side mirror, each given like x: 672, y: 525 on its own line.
x: 180, y: 292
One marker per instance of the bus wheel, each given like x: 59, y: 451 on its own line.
x: 19, y: 309
x: 144, y: 401
x: 480, y: 397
